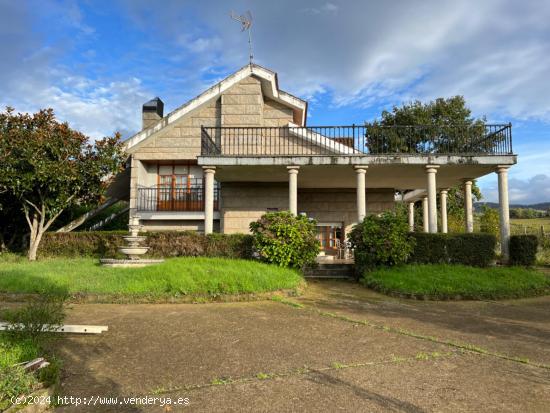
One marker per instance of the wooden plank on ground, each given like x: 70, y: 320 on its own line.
x: 65, y: 328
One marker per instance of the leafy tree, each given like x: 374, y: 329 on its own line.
x: 286, y: 240
x: 489, y: 221
x: 47, y: 167
x: 435, y: 126
x: 439, y: 126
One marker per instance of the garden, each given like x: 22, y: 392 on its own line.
x: 394, y: 261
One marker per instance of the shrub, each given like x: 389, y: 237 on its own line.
x: 29, y: 322
x: 161, y: 244
x: 381, y: 240
x: 489, y: 221
x: 286, y: 240
x: 429, y: 248
x: 523, y: 249
x: 475, y: 249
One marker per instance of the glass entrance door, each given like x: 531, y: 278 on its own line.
x: 330, y: 236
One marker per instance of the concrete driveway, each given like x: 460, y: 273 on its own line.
x: 339, y: 347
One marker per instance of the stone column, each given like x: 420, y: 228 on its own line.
x: 411, y: 216
x: 443, y: 197
x: 209, y: 172
x: 468, y: 209
x: 502, y: 172
x: 361, y: 171
x: 293, y: 189
x: 431, y: 170
x: 425, y: 214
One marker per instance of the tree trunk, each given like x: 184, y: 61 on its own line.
x: 34, y: 239
x: 38, y: 225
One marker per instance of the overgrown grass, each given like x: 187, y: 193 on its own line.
x: 439, y: 281
x: 177, y: 276
x: 26, y: 340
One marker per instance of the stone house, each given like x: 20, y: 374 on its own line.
x: 242, y: 148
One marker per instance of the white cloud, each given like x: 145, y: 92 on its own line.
x: 31, y: 80
x: 521, y: 191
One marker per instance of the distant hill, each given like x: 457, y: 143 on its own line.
x: 543, y: 206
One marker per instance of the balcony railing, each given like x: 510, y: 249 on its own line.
x: 175, y: 198
x: 357, y: 140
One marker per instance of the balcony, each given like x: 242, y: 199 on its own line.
x: 459, y: 140
x: 174, y: 198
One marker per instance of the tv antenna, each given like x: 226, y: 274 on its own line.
x: 246, y: 24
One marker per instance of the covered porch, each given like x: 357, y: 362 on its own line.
x: 364, y: 163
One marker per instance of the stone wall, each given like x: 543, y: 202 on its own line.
x: 276, y: 114
x: 242, y: 203
x: 241, y: 105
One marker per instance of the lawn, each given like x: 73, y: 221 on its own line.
x: 175, y: 277
x: 13, y: 379
x: 439, y: 281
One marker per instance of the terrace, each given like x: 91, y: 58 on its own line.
x: 357, y: 141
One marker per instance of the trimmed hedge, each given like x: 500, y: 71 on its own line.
x: 477, y: 249
x: 162, y: 244
x: 523, y: 250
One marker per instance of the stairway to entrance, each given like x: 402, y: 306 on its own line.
x: 334, y: 270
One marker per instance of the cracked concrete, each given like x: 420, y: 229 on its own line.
x: 275, y: 357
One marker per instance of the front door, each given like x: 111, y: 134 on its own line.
x: 330, y: 235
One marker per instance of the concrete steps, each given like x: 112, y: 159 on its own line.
x: 333, y: 271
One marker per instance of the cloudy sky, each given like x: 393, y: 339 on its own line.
x: 96, y: 62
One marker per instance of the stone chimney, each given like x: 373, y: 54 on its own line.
x: 152, y: 112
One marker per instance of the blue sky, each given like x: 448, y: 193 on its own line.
x: 96, y: 62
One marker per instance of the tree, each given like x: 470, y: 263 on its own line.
x: 489, y: 221
x: 435, y: 126
x: 439, y: 126
x: 47, y: 167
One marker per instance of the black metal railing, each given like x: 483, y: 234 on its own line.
x: 355, y: 140
x: 174, y: 198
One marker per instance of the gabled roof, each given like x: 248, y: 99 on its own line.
x: 270, y: 88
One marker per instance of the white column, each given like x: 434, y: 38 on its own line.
x: 502, y: 172
x: 208, y: 198
x: 431, y: 170
x: 293, y: 189
x: 411, y: 216
x: 468, y: 209
x: 443, y: 198
x: 361, y: 171
x: 425, y: 214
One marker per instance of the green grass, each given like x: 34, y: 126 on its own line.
x: 175, y: 277
x: 14, y: 381
x: 458, y: 281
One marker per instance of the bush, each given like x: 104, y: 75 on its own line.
x: 429, y: 248
x: 475, y: 249
x: 286, y: 240
x: 489, y: 221
x: 523, y: 249
x: 161, y: 244
x: 29, y: 322
x: 381, y: 240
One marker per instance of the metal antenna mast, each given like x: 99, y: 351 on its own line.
x: 246, y: 24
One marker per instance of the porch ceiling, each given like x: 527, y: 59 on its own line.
x: 343, y: 176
